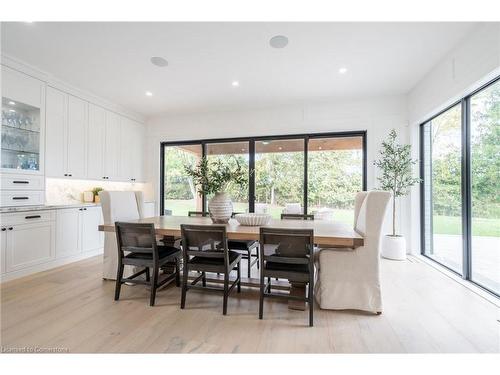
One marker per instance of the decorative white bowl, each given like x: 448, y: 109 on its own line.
x: 252, y: 219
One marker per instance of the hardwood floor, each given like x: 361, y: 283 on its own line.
x: 72, y: 308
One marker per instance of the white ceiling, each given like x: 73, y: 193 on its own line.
x: 111, y: 60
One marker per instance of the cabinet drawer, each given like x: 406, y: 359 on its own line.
x: 22, y: 182
x: 27, y: 217
x: 21, y: 198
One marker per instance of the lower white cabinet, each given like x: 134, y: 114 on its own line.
x: 76, y: 230
x: 33, y: 241
x: 27, y: 242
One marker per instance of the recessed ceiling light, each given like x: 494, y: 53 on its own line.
x: 159, y: 61
x: 280, y: 148
x: 235, y: 83
x: 149, y: 93
x: 278, y: 41
x: 320, y: 148
x: 12, y: 103
x: 242, y: 149
x: 265, y: 142
x: 343, y: 70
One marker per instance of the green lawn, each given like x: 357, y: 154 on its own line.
x: 453, y: 225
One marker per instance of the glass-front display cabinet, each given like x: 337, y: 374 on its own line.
x: 22, y: 123
x: 20, y: 136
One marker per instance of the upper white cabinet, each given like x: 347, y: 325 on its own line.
x: 23, y: 123
x: 132, y: 148
x: 66, y: 139
x: 112, y: 147
x: 76, y: 151
x: 95, y: 143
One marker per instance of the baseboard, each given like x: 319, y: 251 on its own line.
x: 469, y: 285
x: 48, y: 265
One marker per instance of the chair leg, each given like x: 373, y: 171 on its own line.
x: 119, y: 276
x: 148, y: 276
x: 249, y: 271
x: 204, y: 279
x: 310, y: 297
x: 257, y: 249
x: 261, y: 300
x: 184, y: 286
x: 154, y: 283
x: 269, y: 284
x: 239, y: 277
x: 177, y: 273
x: 226, y: 292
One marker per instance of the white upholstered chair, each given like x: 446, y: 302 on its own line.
x: 118, y: 206
x: 350, y: 278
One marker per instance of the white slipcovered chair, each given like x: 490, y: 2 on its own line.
x: 118, y: 206
x: 350, y: 278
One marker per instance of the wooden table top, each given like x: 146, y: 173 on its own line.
x: 326, y: 233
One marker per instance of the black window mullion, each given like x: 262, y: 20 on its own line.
x: 162, y: 179
x: 251, y: 175
x: 306, y: 176
x: 466, y: 190
x: 203, y: 198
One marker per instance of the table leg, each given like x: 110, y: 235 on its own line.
x: 297, y: 289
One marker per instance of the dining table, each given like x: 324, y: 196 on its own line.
x: 326, y: 234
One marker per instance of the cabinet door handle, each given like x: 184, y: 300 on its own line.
x: 33, y: 217
x: 20, y: 182
x: 4, y: 229
x: 10, y: 228
x: 19, y: 198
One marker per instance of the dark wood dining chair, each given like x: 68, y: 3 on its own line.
x: 137, y: 247
x: 297, y: 217
x: 287, y: 254
x: 200, y: 254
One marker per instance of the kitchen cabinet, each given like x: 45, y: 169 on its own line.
x: 3, y: 248
x: 95, y: 144
x: 112, y: 144
x: 66, y: 139
x: 76, y: 137
x: 23, y: 123
x: 27, y: 241
x: 76, y: 230
x: 67, y: 232
x: 132, y: 149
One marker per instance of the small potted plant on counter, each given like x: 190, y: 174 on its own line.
x: 213, y: 178
x: 397, y: 177
x: 96, y: 191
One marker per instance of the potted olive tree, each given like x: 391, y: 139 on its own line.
x: 212, y: 179
x: 396, y: 165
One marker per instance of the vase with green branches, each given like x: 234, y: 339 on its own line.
x: 396, y: 167
x: 214, y: 178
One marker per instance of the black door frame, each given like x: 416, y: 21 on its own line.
x: 251, y: 149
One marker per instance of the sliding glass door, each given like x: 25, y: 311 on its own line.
x: 443, y: 145
x: 485, y: 187
x: 460, y: 195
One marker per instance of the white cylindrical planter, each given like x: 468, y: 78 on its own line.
x: 220, y: 208
x: 394, y: 247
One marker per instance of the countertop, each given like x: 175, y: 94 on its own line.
x: 6, y: 210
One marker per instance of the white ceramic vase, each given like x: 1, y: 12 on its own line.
x: 394, y: 247
x: 220, y: 208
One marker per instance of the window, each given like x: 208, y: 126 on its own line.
x: 460, y: 200
x: 310, y: 173
x: 279, y: 176
x: 335, y: 175
x: 233, y: 152
x: 180, y: 194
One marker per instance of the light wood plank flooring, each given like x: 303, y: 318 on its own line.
x: 71, y: 307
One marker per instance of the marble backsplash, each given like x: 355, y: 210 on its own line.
x: 65, y: 191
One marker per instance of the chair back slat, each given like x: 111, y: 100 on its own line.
x: 136, y: 238
x: 291, y: 243
x: 204, y: 240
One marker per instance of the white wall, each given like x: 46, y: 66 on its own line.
x: 472, y: 63
x: 376, y: 115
